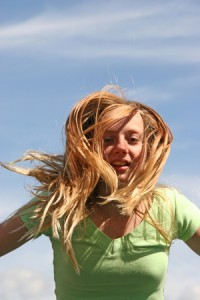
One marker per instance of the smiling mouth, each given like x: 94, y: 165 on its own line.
x: 120, y: 164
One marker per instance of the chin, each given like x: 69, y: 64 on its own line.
x: 122, y: 181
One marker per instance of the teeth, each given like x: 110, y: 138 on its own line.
x: 120, y: 163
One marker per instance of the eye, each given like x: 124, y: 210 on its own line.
x: 108, y: 139
x: 133, y: 139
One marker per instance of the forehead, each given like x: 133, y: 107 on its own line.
x: 132, y: 122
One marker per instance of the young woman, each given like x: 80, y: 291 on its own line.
x: 110, y: 224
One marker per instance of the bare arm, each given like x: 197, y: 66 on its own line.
x: 194, y: 242
x: 11, y: 235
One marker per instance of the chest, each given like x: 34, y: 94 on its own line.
x: 112, y: 269
x: 117, y: 225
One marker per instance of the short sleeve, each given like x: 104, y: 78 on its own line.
x: 187, y: 216
x: 27, y: 217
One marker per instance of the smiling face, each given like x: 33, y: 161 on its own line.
x: 122, y: 145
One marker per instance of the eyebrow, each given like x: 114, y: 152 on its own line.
x: 129, y: 131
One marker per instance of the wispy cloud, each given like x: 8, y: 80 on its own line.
x: 149, y: 94
x: 110, y: 31
x: 188, y: 185
x: 185, y: 81
x: 165, y: 92
x: 180, y: 286
x: 23, y: 283
x: 186, y: 145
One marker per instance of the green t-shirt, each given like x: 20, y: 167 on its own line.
x: 130, y: 267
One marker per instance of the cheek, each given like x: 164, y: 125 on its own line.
x: 137, y: 152
x: 106, y: 152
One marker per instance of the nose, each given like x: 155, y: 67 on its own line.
x: 121, y: 146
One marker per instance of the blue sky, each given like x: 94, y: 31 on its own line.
x: 53, y: 53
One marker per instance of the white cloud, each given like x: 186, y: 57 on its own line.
x: 185, y: 81
x: 149, y: 94
x: 156, y: 32
x: 187, y: 184
x: 182, y: 284
x: 22, y: 283
x: 51, y: 26
x: 185, y: 145
x: 190, y: 291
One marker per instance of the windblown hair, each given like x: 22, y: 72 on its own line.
x: 68, y: 182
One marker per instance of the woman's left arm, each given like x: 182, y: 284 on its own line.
x: 194, y: 242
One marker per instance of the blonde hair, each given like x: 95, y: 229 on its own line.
x: 71, y: 179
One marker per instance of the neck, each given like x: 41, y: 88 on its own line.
x: 102, y: 189
x: 110, y: 209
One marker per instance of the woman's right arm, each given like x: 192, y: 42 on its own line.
x: 12, y: 233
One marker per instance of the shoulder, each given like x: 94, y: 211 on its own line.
x: 186, y: 214
x: 176, y: 198
x: 30, y: 217
x: 179, y: 202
